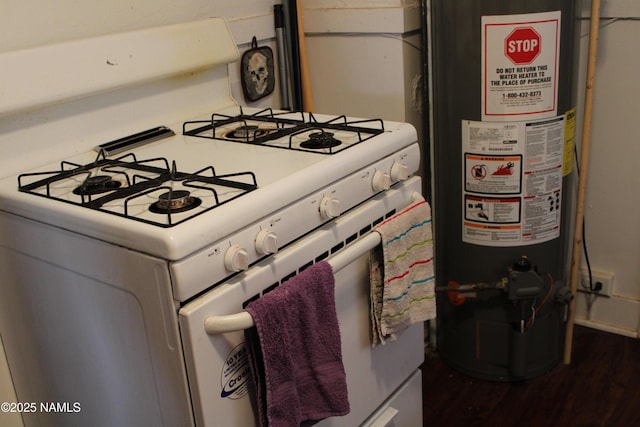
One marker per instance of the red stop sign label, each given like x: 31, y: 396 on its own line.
x: 522, y: 45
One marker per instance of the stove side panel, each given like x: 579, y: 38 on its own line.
x: 91, y: 327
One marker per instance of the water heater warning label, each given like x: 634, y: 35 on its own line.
x: 493, y: 174
x: 512, y: 181
x: 520, y: 60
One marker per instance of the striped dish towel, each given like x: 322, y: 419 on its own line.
x: 401, y: 273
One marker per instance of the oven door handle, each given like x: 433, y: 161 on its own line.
x: 214, y: 325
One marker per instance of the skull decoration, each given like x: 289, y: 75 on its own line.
x: 258, y: 76
x: 259, y: 72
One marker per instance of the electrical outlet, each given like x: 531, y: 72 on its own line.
x: 603, y: 277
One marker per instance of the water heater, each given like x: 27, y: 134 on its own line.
x: 504, y: 96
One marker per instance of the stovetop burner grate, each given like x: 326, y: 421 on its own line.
x: 286, y: 130
x: 147, y: 190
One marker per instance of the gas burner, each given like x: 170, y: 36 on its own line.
x: 287, y: 130
x: 174, y: 202
x: 96, y: 185
x: 248, y: 133
x: 320, y: 140
x: 138, y: 189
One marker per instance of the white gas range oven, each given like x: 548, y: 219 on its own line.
x: 125, y: 263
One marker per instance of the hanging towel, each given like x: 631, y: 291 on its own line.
x: 295, y: 352
x: 401, y: 273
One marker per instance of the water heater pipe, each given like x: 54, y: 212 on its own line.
x: 584, y: 163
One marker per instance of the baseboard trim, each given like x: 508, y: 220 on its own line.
x: 607, y: 328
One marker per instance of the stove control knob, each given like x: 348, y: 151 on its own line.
x: 381, y: 181
x: 236, y: 258
x: 266, y: 242
x: 329, y: 207
x: 399, y: 172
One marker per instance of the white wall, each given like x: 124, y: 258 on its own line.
x: 363, y: 60
x: 29, y: 23
x: 612, y: 201
x: 366, y: 61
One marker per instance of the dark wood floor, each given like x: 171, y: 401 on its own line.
x: 601, y: 387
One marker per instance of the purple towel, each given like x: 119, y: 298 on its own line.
x: 294, y: 351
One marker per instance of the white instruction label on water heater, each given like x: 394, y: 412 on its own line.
x: 512, y: 183
x: 520, y: 64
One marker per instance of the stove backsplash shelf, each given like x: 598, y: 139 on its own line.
x: 149, y: 191
x: 286, y: 130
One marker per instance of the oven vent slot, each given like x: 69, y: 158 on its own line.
x: 270, y: 288
x: 288, y: 276
x: 322, y: 256
x: 337, y: 247
x: 309, y: 264
x: 365, y: 230
x: 253, y: 298
x: 351, y: 238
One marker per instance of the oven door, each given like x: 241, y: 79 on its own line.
x: 217, y: 366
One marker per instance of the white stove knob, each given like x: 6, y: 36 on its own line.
x: 236, y: 258
x: 266, y: 242
x: 329, y: 207
x: 399, y: 172
x: 381, y: 181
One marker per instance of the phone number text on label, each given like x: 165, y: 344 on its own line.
x: 517, y: 95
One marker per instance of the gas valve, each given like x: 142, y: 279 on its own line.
x: 524, y: 281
